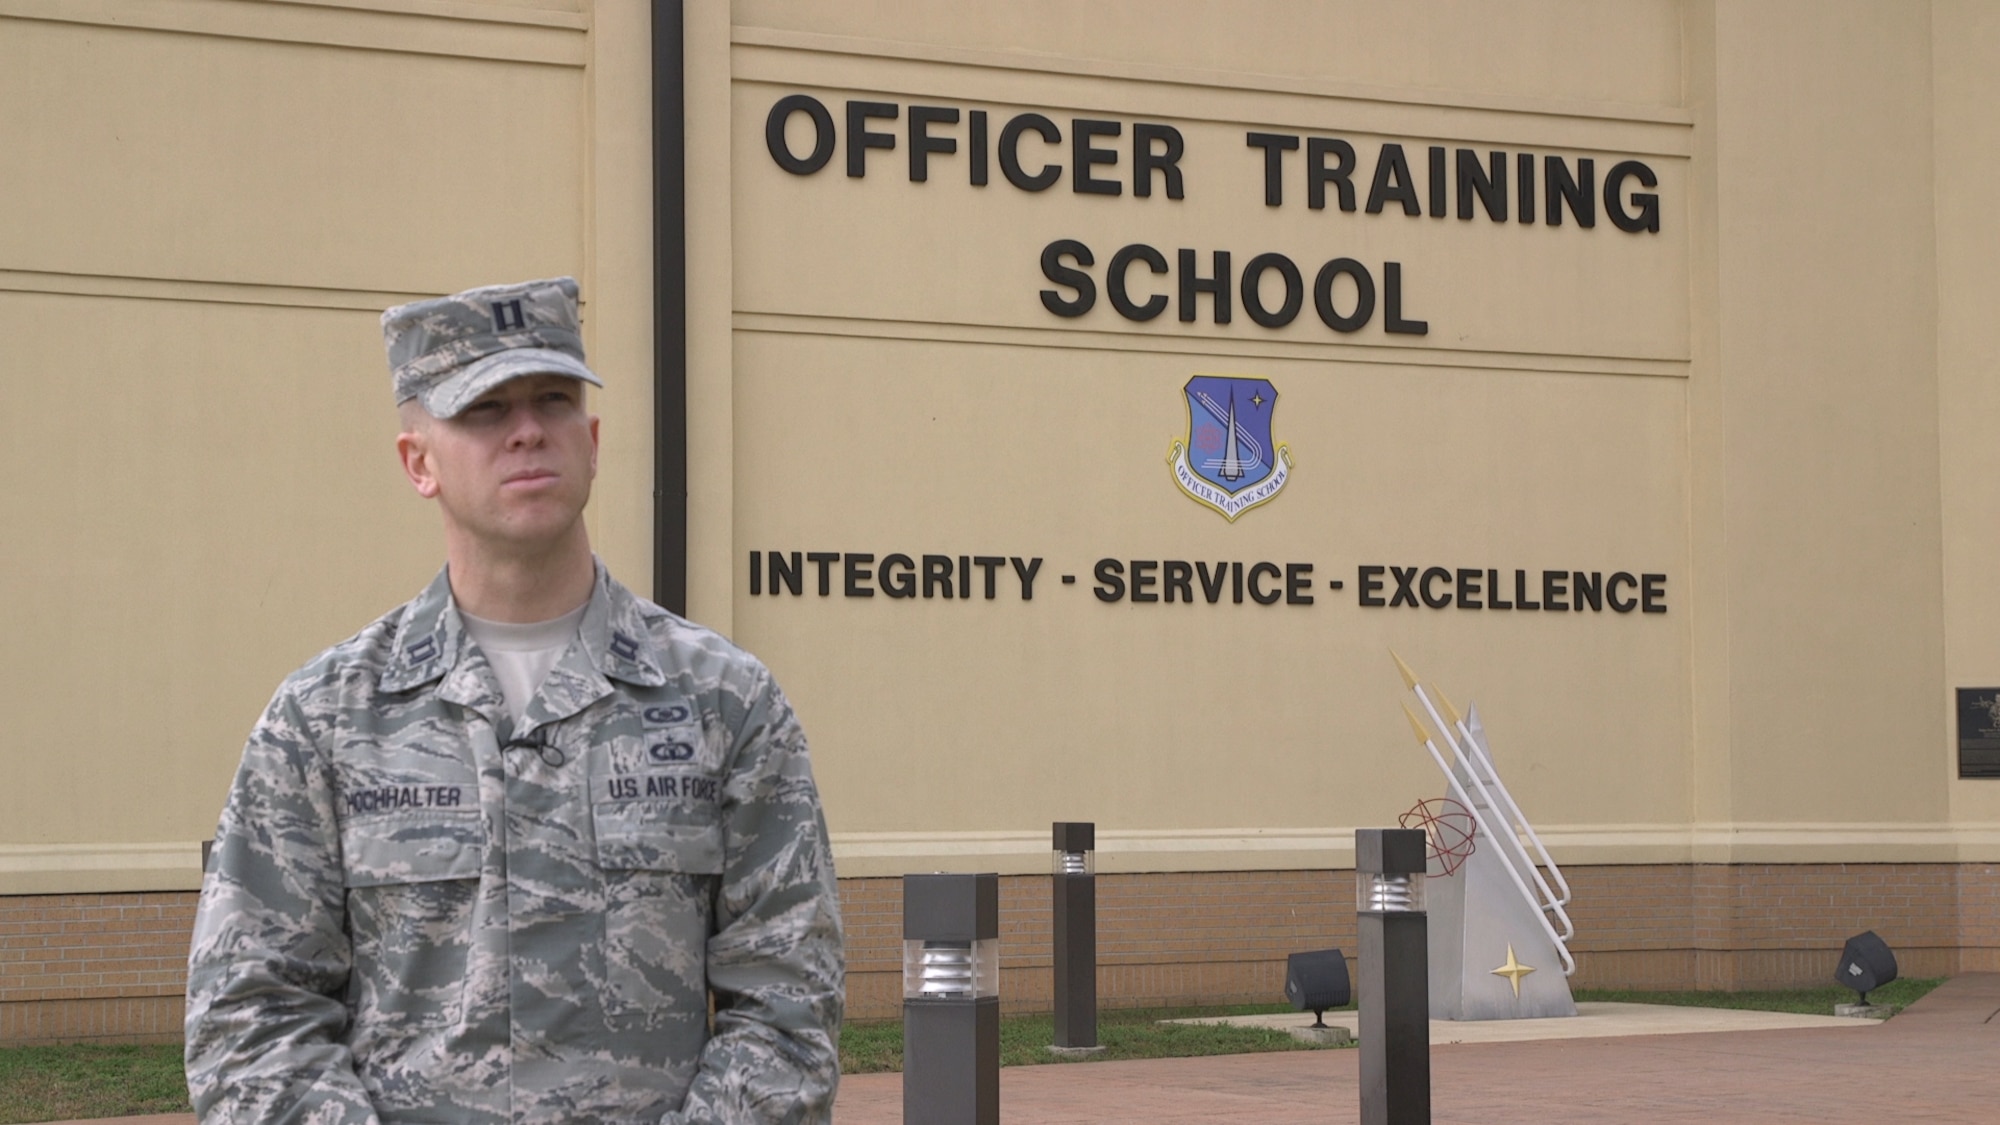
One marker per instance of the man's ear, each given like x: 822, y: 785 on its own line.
x: 593, y: 447
x: 413, y: 448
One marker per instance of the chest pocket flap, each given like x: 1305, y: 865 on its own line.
x: 414, y: 847
x: 658, y: 835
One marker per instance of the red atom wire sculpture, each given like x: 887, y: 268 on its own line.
x: 1448, y: 830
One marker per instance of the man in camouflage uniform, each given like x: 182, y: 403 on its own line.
x: 473, y: 881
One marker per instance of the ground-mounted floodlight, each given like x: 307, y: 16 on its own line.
x: 1395, y: 976
x: 951, y: 999
x: 1866, y: 964
x: 1074, y: 883
x: 1317, y: 981
x: 1314, y: 982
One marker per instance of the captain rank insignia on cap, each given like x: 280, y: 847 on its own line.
x: 448, y: 351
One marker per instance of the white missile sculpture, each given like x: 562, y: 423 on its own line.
x: 1498, y: 923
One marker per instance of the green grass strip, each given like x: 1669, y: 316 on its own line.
x: 1897, y: 994
x: 85, y: 1081
x: 1124, y: 1033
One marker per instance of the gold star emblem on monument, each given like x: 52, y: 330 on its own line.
x: 1513, y: 970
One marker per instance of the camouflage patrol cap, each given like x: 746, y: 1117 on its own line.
x: 448, y: 351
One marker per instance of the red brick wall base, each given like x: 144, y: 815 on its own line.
x: 133, y: 1019
x: 1222, y: 937
x: 110, y: 968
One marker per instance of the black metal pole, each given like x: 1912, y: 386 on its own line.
x: 1395, y: 976
x: 951, y: 1021
x: 669, y: 309
x: 1075, y: 888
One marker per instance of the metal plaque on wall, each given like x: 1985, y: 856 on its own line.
x: 1978, y: 732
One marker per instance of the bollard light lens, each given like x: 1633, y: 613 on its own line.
x: 1379, y: 893
x: 1074, y: 863
x: 951, y: 970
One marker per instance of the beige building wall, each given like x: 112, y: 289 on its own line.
x: 1777, y: 401
x: 208, y: 205
x: 928, y: 402
x: 1818, y: 510
x: 1965, y: 40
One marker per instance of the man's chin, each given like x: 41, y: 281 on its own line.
x: 533, y: 532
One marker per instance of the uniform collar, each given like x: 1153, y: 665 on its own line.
x: 429, y: 637
x: 615, y: 634
x: 431, y: 640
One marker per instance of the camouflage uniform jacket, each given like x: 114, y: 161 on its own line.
x: 412, y: 916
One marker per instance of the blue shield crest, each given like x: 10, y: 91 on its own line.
x: 1229, y: 460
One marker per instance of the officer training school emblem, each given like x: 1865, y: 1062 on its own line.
x: 1229, y: 460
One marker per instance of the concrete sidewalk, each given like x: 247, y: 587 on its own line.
x: 1938, y: 1061
x: 1593, y: 1020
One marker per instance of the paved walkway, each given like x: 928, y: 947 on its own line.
x: 1938, y: 1061
x: 1593, y: 1020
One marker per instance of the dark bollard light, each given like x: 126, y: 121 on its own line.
x: 1395, y: 998
x: 1075, y: 885
x: 951, y: 999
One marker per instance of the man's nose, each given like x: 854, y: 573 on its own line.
x: 525, y: 429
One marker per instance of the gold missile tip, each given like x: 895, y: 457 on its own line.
x: 1417, y: 725
x: 1409, y: 677
x: 1449, y: 711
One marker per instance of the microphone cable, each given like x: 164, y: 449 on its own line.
x: 549, y: 752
